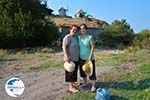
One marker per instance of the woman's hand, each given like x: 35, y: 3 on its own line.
x: 68, y: 60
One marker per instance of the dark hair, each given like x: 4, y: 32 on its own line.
x: 74, y: 25
x: 85, y: 26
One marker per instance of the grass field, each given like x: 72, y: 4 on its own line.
x: 35, y: 59
x: 131, y: 83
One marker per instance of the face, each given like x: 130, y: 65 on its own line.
x: 83, y: 30
x: 74, y: 30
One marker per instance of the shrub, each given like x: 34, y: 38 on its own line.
x: 117, y: 35
x: 142, y: 39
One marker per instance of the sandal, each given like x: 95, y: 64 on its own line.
x: 74, y: 90
x: 76, y: 85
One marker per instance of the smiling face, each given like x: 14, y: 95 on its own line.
x: 73, y: 30
x: 83, y: 29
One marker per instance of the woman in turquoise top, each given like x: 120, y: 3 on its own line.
x: 86, y: 45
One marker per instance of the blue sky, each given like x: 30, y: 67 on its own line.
x: 136, y: 12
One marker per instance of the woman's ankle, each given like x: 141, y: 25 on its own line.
x: 85, y: 80
x: 93, y: 84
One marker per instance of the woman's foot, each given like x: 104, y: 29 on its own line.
x: 93, y: 89
x: 76, y: 85
x: 82, y: 86
x: 73, y: 90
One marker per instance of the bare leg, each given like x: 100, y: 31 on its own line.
x: 85, y: 80
x: 93, y: 89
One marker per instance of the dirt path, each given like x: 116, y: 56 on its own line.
x: 46, y: 85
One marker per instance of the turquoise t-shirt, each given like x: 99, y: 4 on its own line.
x: 85, y: 46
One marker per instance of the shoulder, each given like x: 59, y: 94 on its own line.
x: 89, y: 36
x: 66, y: 40
x: 67, y: 37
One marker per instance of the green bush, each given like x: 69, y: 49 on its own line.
x: 117, y: 35
x: 142, y: 39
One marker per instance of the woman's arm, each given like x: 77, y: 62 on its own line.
x: 65, y: 50
x: 66, y: 57
x: 92, y: 48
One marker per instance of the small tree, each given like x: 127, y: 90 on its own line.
x: 142, y: 39
x: 117, y: 35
